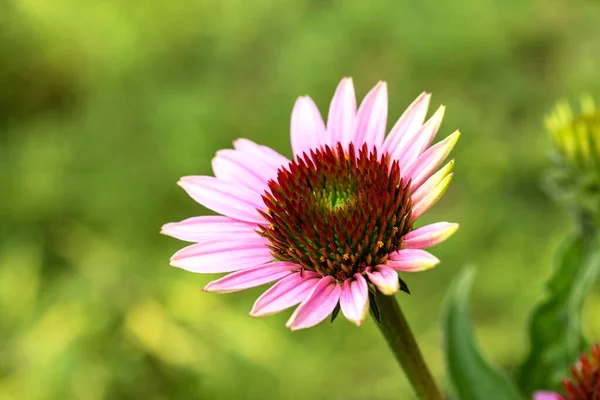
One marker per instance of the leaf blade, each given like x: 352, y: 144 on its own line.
x: 555, y: 333
x: 472, y: 377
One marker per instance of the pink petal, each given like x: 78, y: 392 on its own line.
x: 411, y: 260
x: 428, y: 235
x: 251, y: 277
x: 371, y: 120
x: 547, y: 396
x: 224, y: 197
x: 317, y: 306
x: 219, y: 256
x: 207, y: 227
x: 341, y: 122
x: 307, y: 127
x: 407, y: 154
x: 430, y: 160
x: 286, y: 293
x: 261, y: 154
x: 424, y: 198
x: 385, y: 278
x: 431, y: 183
x: 408, y: 125
x: 354, y: 300
x: 235, y: 167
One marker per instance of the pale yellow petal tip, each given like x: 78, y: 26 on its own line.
x: 452, y: 228
x: 439, y: 113
x: 388, y: 290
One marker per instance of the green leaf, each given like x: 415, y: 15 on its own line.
x: 374, y: 308
x: 555, y: 334
x: 472, y: 377
x: 335, y: 312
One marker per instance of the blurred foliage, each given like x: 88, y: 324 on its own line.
x: 104, y: 105
x: 555, y: 331
x: 471, y: 376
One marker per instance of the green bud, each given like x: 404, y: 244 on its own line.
x: 575, y: 176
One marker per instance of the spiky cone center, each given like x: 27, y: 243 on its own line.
x: 585, y: 382
x: 337, y: 212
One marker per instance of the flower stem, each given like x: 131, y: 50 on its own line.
x: 401, y: 341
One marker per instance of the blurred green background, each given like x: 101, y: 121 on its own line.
x: 104, y: 104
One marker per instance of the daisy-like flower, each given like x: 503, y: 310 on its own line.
x: 331, y: 225
x: 585, y: 384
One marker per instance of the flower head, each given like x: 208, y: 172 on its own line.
x: 331, y: 225
x: 575, y: 178
x: 585, y: 381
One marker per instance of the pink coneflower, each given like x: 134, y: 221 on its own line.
x: 333, y: 224
x: 585, y: 383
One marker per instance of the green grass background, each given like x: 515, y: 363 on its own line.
x: 104, y: 104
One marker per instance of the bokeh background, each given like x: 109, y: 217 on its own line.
x: 104, y: 104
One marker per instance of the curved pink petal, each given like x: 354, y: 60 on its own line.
x: 208, y: 227
x: 425, y: 197
x: 429, y: 235
x: 385, y: 278
x: 307, y: 127
x: 407, y: 154
x: 430, y: 160
x: 431, y: 183
x: 341, y: 121
x: 354, y: 300
x: 371, y: 119
x: 408, y: 125
x: 411, y: 260
x: 224, y: 197
x: 547, y: 396
x: 251, y: 277
x: 260, y: 165
x: 286, y: 293
x: 317, y: 306
x: 223, y: 256
x: 261, y: 153
x: 232, y: 166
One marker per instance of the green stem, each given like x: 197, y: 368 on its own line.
x: 401, y: 341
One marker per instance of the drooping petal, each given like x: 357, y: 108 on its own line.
x: 317, y: 306
x: 424, y: 198
x: 429, y: 235
x: 307, y: 126
x: 261, y: 153
x: 371, y: 119
x: 354, y: 300
x: 411, y: 260
x: 341, y: 121
x: 208, y: 227
x: 251, y: 277
x: 286, y: 293
x: 233, y: 166
x: 223, y: 256
x: 430, y: 160
x: 224, y: 197
x: 408, y: 125
x: 407, y: 154
x: 547, y: 396
x: 385, y: 278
